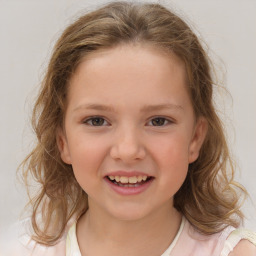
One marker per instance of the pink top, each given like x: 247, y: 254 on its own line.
x: 188, y: 242
x: 192, y: 243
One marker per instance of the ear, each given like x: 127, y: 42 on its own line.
x: 197, y: 139
x: 63, y: 146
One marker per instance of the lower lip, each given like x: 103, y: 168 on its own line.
x: 127, y: 191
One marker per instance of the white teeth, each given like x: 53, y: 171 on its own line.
x: 133, y: 180
x: 139, y: 178
x: 126, y: 180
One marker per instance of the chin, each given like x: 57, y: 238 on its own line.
x: 129, y: 213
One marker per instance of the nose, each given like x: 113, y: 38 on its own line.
x: 127, y: 145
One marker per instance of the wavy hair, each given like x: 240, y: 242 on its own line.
x: 209, y: 197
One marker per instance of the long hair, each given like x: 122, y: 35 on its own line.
x: 209, y: 197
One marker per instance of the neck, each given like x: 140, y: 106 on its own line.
x: 150, y: 235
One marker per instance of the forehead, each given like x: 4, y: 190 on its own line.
x: 127, y: 58
x: 129, y: 71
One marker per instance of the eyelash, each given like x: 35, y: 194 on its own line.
x: 86, y: 121
x: 163, y: 119
x: 93, y: 118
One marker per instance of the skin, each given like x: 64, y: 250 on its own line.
x: 128, y: 78
x: 245, y: 248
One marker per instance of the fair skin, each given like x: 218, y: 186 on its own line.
x: 244, y: 248
x: 129, y: 115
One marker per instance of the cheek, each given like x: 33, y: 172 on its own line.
x: 87, y: 155
x: 172, y: 150
x: 175, y: 163
x: 171, y: 155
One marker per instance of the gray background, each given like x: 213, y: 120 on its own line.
x: 28, y: 30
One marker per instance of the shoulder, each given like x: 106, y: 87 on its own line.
x: 229, y: 242
x: 244, y: 247
x: 19, y: 242
x: 192, y: 242
x: 240, y: 242
x: 15, y: 238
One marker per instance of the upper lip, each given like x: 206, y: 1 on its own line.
x: 127, y: 173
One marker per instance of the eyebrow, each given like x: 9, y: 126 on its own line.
x: 147, y: 108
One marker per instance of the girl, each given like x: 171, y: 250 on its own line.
x: 131, y: 157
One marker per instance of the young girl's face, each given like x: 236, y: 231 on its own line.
x: 130, y: 130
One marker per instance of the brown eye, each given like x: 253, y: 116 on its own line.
x: 95, y: 121
x: 159, y: 121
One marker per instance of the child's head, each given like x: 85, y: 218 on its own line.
x: 119, y: 28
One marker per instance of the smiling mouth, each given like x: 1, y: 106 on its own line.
x: 129, y: 182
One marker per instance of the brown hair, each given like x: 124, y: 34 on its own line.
x: 208, y: 198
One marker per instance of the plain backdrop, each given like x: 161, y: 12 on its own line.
x: 28, y: 30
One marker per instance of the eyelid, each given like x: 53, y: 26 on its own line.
x: 89, y: 118
x: 85, y: 121
x: 168, y: 119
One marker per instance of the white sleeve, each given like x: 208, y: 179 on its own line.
x: 17, y: 242
x: 235, y: 237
